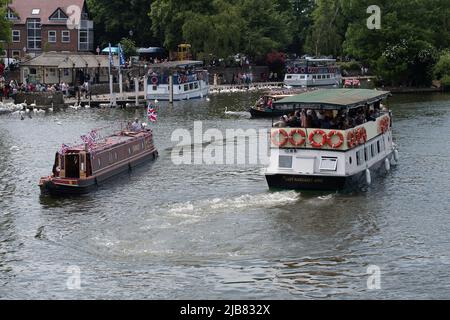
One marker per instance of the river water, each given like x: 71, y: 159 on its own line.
x: 171, y: 231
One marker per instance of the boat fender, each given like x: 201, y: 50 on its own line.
x: 387, y: 164
x: 368, y: 177
x: 396, y: 155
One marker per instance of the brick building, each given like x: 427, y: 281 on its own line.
x: 49, y: 26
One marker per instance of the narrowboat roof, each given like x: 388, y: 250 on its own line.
x: 111, y: 141
x: 334, y: 98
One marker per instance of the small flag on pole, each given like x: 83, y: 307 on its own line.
x: 63, y: 149
x: 121, y: 56
x: 151, y: 113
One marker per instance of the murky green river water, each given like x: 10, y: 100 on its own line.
x: 217, y: 232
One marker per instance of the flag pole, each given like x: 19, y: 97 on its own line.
x: 112, y: 100
x: 120, y: 71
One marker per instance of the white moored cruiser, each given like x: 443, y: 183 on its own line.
x: 188, y: 80
x: 337, y: 139
x: 311, y: 72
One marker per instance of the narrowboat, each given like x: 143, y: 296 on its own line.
x: 310, y: 72
x: 79, y: 169
x: 179, y: 80
x: 340, y: 139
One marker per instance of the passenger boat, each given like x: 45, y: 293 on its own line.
x: 312, y: 72
x: 79, y: 169
x: 186, y: 79
x: 344, y: 150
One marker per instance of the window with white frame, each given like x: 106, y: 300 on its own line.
x: 34, y: 36
x: 16, y: 35
x: 65, y: 36
x: 52, y: 36
x: 58, y: 15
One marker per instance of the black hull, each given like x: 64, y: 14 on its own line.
x: 255, y: 113
x: 324, y: 183
x: 88, y: 185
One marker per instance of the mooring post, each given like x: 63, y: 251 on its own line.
x: 145, y: 86
x: 171, y: 89
x: 136, y: 89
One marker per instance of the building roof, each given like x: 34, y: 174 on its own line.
x: 24, y: 8
x: 69, y: 60
x: 335, y: 98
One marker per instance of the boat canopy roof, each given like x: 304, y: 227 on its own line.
x: 178, y: 64
x: 334, y: 98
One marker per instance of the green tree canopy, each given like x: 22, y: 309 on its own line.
x: 114, y: 19
x: 222, y: 27
x: 5, y: 26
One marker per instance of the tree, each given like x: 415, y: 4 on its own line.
x: 223, y: 27
x: 328, y: 31
x: 116, y: 19
x: 5, y: 26
x: 128, y: 46
x: 442, y: 69
x: 302, y: 20
x: 403, y: 51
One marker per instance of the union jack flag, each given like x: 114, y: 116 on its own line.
x: 64, y: 148
x: 94, y: 135
x: 151, y: 113
x: 87, y: 139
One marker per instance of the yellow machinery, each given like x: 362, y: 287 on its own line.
x: 184, y: 52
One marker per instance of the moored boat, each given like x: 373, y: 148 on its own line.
x: 312, y: 72
x: 79, y: 169
x: 184, y: 80
x: 340, y: 139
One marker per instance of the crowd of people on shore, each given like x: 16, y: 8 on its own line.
x: 330, y: 119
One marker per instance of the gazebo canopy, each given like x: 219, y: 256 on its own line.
x: 70, y: 60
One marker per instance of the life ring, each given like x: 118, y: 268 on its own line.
x: 179, y: 80
x: 318, y: 144
x: 295, y: 70
x: 384, y: 124
x: 302, y: 70
x: 350, y: 139
x: 289, y: 70
x: 316, y: 70
x: 363, y: 135
x: 330, y: 136
x: 279, y: 143
x: 154, y: 80
x: 292, y: 137
x: 310, y: 70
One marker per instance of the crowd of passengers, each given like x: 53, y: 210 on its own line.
x: 331, y: 119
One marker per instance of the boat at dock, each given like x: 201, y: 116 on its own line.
x: 79, y: 169
x: 340, y: 139
x: 310, y: 72
x: 177, y: 80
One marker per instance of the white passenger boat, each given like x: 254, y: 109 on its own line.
x: 311, y: 72
x: 341, y: 139
x: 188, y: 79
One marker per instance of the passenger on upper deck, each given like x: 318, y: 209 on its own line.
x: 136, y: 126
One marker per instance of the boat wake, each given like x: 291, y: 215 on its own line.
x: 263, y: 200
